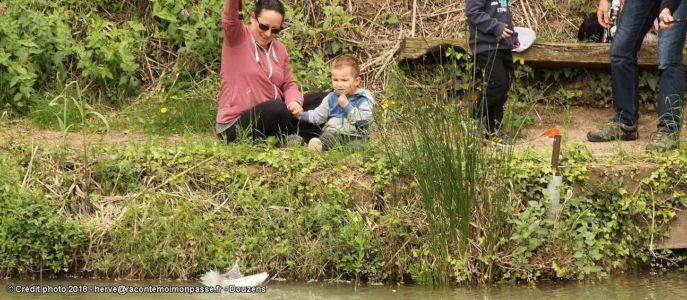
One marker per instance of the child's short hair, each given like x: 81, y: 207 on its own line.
x: 345, y: 60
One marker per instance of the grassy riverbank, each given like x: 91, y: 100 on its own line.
x: 153, y: 210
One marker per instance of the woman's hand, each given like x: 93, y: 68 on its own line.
x: 665, y: 19
x: 295, y: 109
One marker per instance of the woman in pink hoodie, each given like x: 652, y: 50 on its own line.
x: 258, y: 90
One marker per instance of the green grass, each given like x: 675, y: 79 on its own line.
x: 459, y: 179
x: 62, y: 107
x: 179, y: 107
x: 190, y: 108
x: 191, y: 115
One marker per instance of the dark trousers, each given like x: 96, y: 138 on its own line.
x: 497, y: 71
x: 272, y: 118
x: 636, y: 18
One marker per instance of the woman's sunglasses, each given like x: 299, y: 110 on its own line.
x: 265, y: 27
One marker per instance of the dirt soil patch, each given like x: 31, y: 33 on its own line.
x: 574, y: 124
x: 21, y: 131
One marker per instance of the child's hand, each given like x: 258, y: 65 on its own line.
x: 295, y: 109
x: 506, y: 34
x: 343, y: 100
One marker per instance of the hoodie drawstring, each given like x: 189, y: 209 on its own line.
x: 269, y: 63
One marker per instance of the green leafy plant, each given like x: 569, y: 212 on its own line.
x: 109, y: 54
x: 193, y: 28
x: 35, y: 42
x: 34, y: 236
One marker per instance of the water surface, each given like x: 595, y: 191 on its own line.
x: 671, y: 285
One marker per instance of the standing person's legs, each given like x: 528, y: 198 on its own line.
x: 496, y: 77
x: 495, y: 110
x: 671, y: 85
x: 483, y: 63
x: 672, y: 74
x: 636, y: 18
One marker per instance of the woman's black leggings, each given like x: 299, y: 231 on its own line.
x: 272, y: 118
x: 498, y: 70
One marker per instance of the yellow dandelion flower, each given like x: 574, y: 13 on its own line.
x: 522, y: 61
x: 163, y: 109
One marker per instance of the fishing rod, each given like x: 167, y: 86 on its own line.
x: 680, y: 20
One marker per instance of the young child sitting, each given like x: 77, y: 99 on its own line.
x: 347, y: 110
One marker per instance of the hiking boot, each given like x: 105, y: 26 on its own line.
x: 501, y: 138
x: 315, y: 145
x: 612, y: 131
x: 662, y: 141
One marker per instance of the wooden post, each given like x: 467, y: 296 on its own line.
x: 412, y: 32
x: 555, y: 155
x: 554, y: 186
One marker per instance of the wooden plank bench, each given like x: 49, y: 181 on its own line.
x: 585, y: 55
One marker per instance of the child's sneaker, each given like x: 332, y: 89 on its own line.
x: 315, y: 145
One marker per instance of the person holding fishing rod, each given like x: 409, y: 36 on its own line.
x: 636, y: 17
x: 492, y: 37
x: 666, y: 19
x: 258, y: 90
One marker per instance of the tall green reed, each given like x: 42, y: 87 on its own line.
x: 461, y: 180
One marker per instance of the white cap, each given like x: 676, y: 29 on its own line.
x: 526, y: 38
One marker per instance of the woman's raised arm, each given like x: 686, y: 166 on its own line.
x: 231, y: 23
